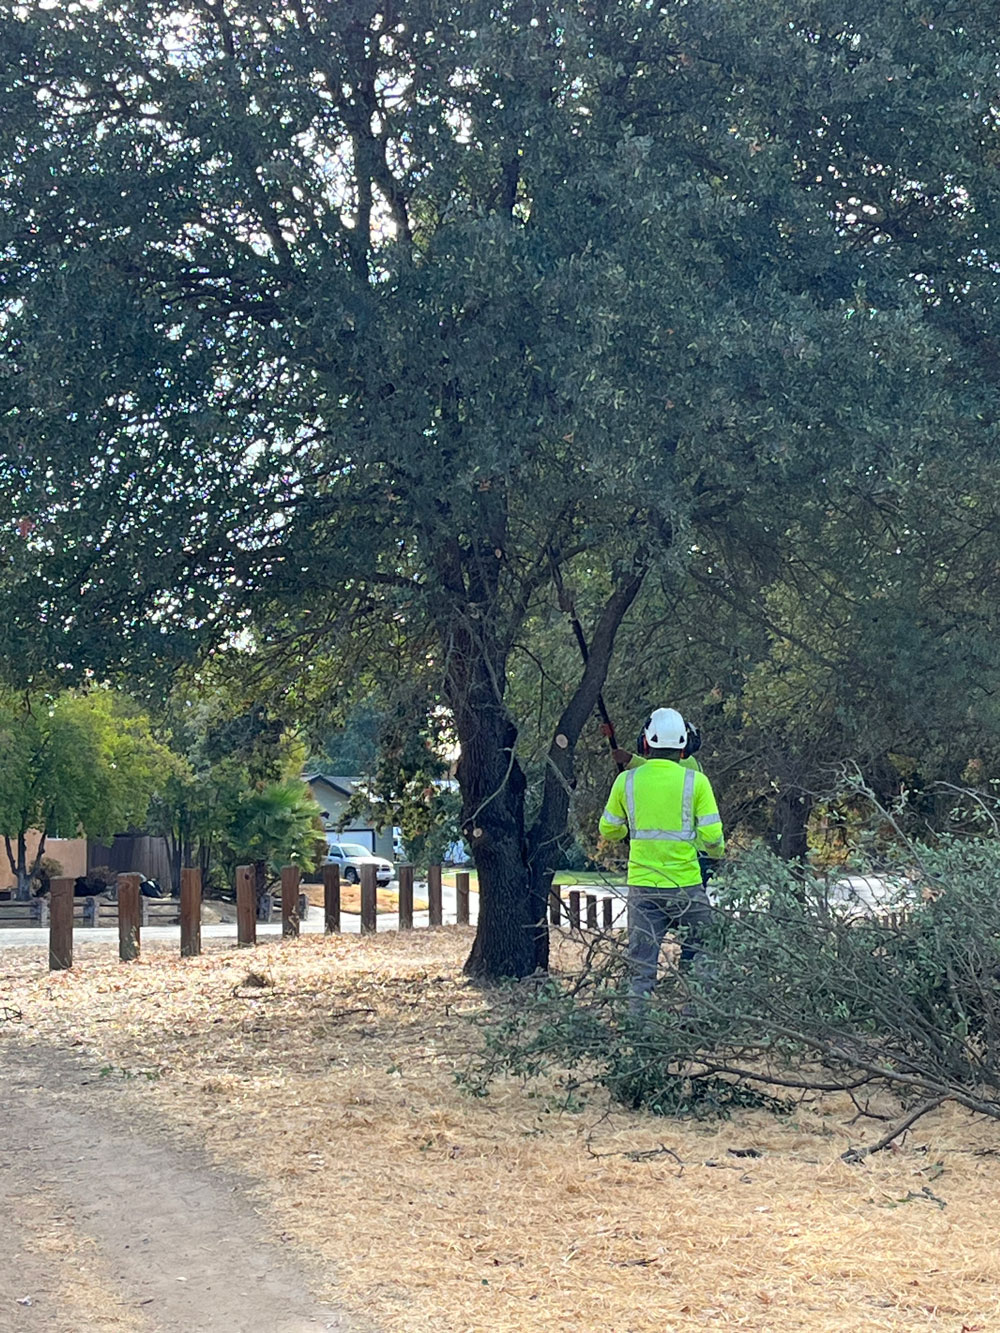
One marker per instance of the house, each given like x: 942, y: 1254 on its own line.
x: 332, y: 796
x: 70, y: 854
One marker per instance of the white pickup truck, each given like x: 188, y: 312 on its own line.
x: 351, y: 856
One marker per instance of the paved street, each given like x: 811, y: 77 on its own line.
x: 14, y: 937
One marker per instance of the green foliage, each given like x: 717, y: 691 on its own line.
x: 661, y: 1087
x: 277, y: 824
x: 577, y: 1039
x: 74, y: 764
x: 353, y: 337
x: 913, y: 985
x: 222, y: 750
x: 409, y: 785
x: 353, y: 748
x: 807, y: 983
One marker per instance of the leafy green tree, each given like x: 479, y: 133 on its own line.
x: 373, y: 327
x: 409, y: 786
x: 224, y: 749
x: 351, y: 749
x: 74, y: 764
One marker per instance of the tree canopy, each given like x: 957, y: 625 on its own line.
x: 406, y: 328
x: 72, y: 763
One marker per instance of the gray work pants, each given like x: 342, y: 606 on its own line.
x: 651, y: 913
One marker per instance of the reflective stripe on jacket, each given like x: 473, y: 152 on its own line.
x: 670, y: 814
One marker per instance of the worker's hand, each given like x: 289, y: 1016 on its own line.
x: 622, y: 757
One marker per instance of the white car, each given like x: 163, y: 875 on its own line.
x: 351, y: 856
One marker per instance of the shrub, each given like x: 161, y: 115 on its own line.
x: 47, y: 870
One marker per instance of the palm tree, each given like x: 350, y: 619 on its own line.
x: 277, y: 824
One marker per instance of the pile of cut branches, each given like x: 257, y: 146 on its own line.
x: 805, y: 986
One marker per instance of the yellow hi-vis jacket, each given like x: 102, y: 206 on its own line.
x: 670, y: 814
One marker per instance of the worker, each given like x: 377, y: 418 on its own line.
x: 626, y: 759
x: 670, y: 814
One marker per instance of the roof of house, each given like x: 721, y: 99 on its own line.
x: 343, y: 785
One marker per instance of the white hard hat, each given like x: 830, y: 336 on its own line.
x: 665, y: 730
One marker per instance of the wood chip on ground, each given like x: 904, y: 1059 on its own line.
x: 332, y: 1085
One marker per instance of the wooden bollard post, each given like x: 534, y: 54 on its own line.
x: 406, y: 897
x: 462, y: 897
x: 61, y: 923
x: 290, y: 876
x: 574, y: 909
x: 555, y: 906
x: 591, y: 912
x: 435, y: 915
x: 190, y: 912
x: 369, y: 900
x: 608, y: 909
x: 246, y: 907
x: 331, y: 900
x: 129, y: 917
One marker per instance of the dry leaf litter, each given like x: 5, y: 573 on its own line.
x: 324, y: 1070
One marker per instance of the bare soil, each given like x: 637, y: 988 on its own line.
x: 107, y: 1224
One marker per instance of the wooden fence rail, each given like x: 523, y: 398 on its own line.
x: 435, y: 912
x: 369, y: 900
x: 331, y: 899
x: 61, y: 924
x: 290, y: 876
x: 129, y: 917
x: 406, y: 897
x: 132, y: 911
x: 246, y: 907
x: 462, y: 898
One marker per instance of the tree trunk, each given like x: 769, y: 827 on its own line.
x: 204, y: 860
x: 185, y: 857
x: 175, y: 849
x: 10, y: 855
x: 492, y: 786
x: 515, y: 872
x: 790, y: 823
x: 23, y: 892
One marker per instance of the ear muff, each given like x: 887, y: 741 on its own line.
x: 693, y: 742
x: 642, y: 745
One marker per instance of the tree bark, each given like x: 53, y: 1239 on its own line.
x: 492, y: 785
x: 21, y: 869
x: 515, y: 871
x: 790, y: 823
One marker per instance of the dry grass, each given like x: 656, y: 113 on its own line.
x: 332, y: 1083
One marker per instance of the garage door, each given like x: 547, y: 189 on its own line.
x: 366, y: 836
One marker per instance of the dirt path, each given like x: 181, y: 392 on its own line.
x: 105, y: 1225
